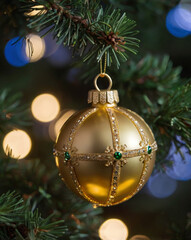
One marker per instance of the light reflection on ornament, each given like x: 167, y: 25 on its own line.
x: 96, y: 190
x: 181, y: 169
x: 113, y: 229
x: 35, y: 47
x: 45, y: 107
x: 17, y: 144
x: 161, y: 186
x: 126, y: 184
x: 15, y: 52
x: 55, y: 126
x: 61, y: 57
x: 139, y: 237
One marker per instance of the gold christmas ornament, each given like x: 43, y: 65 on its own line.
x: 105, y: 153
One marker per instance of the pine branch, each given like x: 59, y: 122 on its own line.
x: 18, y: 220
x: 175, y: 114
x: 12, y: 112
x: 154, y: 88
x: 40, y: 186
x: 86, y: 27
x: 10, y: 207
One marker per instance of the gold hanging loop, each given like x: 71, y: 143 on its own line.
x: 103, y: 75
x: 103, y: 71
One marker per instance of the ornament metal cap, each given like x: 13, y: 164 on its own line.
x: 105, y: 96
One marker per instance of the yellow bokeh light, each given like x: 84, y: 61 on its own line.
x: 113, y: 229
x: 17, y: 144
x: 45, y: 107
x: 61, y: 121
x: 35, y: 47
x: 37, y: 10
x: 55, y: 126
x: 140, y: 237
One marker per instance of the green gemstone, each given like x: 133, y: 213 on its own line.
x: 149, y: 149
x: 67, y: 156
x: 117, y: 155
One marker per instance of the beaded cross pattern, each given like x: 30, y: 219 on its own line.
x: 115, y: 156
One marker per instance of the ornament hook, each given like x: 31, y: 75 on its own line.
x: 103, y: 75
x: 105, y: 64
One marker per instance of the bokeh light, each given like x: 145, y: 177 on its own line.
x: 113, y: 229
x: 139, y: 237
x: 51, y: 44
x: 161, y: 186
x: 61, y: 57
x: 17, y: 144
x: 183, y: 16
x: 55, y: 126
x: 35, y: 47
x: 15, y: 52
x: 37, y: 10
x: 45, y: 107
x: 181, y: 159
x: 178, y: 20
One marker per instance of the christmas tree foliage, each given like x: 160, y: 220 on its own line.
x: 144, y: 62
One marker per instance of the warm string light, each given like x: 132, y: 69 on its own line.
x: 113, y: 229
x: 35, y: 47
x: 39, y: 9
x: 17, y: 144
x: 45, y: 107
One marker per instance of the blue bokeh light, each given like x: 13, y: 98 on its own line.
x: 51, y: 45
x: 183, y: 16
x: 181, y: 169
x: 173, y: 25
x: 15, y: 53
x: 161, y: 186
x: 61, y: 57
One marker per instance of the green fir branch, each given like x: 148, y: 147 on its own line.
x: 47, y: 191
x: 18, y: 221
x: 12, y: 112
x: 154, y: 88
x: 86, y: 27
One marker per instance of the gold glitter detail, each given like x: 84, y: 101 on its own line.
x: 115, y: 163
x: 72, y: 151
x: 109, y: 152
x: 108, y: 156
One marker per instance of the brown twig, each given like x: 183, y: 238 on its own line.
x: 109, y: 38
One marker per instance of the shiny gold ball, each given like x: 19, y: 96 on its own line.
x: 105, y: 153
